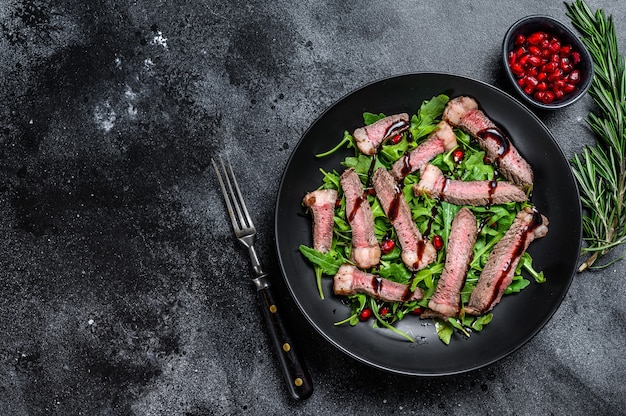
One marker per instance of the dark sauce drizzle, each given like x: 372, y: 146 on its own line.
x: 408, y: 293
x: 356, y: 207
x: 377, y: 284
x: 433, y: 213
x: 396, y: 128
x: 519, y: 250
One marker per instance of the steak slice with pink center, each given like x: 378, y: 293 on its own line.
x: 447, y: 297
x: 365, y: 248
x: 435, y: 185
x: 349, y: 280
x: 442, y: 139
x: 463, y: 112
x: 370, y: 137
x: 498, y: 272
x: 322, y: 206
x: 417, y: 252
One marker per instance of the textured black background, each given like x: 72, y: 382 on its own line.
x: 122, y: 289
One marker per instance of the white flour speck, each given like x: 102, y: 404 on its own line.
x: 159, y: 40
x: 105, y: 116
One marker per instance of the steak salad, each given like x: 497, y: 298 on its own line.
x: 426, y: 217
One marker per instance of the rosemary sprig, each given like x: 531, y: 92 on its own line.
x: 601, y: 169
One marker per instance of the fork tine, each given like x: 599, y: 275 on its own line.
x: 242, y: 202
x: 236, y: 198
x: 231, y: 212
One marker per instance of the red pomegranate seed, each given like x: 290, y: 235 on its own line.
x: 512, y: 57
x: 384, y: 311
x: 555, y: 57
x: 550, y: 67
x: 534, y: 60
x: 542, y: 76
x: 520, y: 39
x: 517, y: 68
x: 387, y: 246
x: 539, y: 95
x: 559, y: 84
x: 438, y: 242
x: 575, y: 58
x: 533, y: 72
x: 565, y: 50
x: 521, y: 82
x: 457, y: 155
x: 365, y: 314
x: 542, y: 86
x: 529, y: 89
x: 536, y: 38
x: 558, y: 94
x: 395, y: 139
x: 523, y: 59
x: 574, y: 76
x: 568, y: 88
x: 548, y: 97
x: 534, y: 50
x: 417, y: 311
x: 555, y: 76
x: 555, y: 46
x: 531, y: 81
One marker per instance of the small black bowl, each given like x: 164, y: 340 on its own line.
x: 530, y: 24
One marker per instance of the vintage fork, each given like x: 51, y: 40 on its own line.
x: 295, y: 373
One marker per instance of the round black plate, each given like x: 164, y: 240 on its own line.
x: 517, y: 318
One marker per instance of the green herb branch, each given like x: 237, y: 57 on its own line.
x: 601, y: 169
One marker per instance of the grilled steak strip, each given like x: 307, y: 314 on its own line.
x: 417, y: 252
x: 350, y: 280
x: 322, y: 206
x: 440, y: 140
x: 434, y: 184
x: 447, y: 297
x: 368, y: 138
x: 365, y: 248
x: 497, y: 274
x: 463, y: 112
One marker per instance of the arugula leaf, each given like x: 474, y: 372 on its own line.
x: 423, y: 122
x: 371, y: 118
x: 444, y: 331
x: 329, y: 262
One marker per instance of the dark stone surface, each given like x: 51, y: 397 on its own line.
x: 123, y: 290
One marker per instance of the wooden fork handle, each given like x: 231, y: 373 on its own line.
x: 294, y: 371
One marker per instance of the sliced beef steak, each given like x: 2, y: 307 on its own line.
x: 349, y: 280
x: 417, y: 252
x: 368, y: 138
x: 463, y: 112
x: 498, y: 272
x: 322, y: 206
x: 434, y: 184
x: 442, y: 139
x: 365, y: 248
x: 447, y: 297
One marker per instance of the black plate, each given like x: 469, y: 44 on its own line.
x: 518, y: 317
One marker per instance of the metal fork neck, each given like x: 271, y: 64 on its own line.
x: 256, y: 264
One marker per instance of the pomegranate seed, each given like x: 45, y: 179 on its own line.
x: 523, y: 59
x: 559, y: 84
x: 534, y: 50
x: 542, y: 76
x: 568, y: 88
x: 545, y: 53
x: 395, y: 139
x: 417, y: 311
x: 542, y: 86
x: 438, y: 242
x: 565, y: 65
x: 545, y: 43
x: 365, y: 314
x: 574, y: 76
x: 534, y: 60
x: 384, y: 311
x: 387, y: 246
x: 529, y: 89
x: 539, y: 95
x: 512, y: 58
x: 550, y: 67
x: 517, y: 68
x: 555, y: 76
x: 555, y: 46
x: 520, y: 51
x: 520, y: 39
x: 536, y: 38
x: 521, y: 82
x: 457, y: 155
x: 575, y: 58
x: 531, y: 81
x: 532, y: 72
x: 555, y: 57
x: 558, y: 94
x: 548, y: 97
